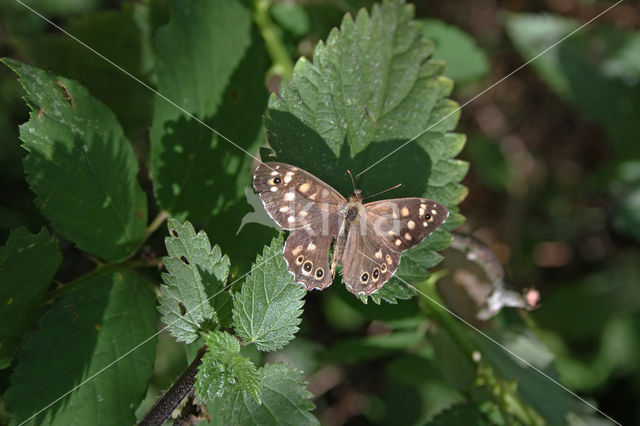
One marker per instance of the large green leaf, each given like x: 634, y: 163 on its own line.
x: 370, y: 89
x: 82, y: 334
x: 193, y: 292
x: 598, y: 71
x: 267, y: 310
x: 81, y: 166
x: 285, y: 401
x: 120, y: 35
x: 211, y: 62
x: 27, y: 265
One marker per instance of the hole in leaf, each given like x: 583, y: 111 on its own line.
x: 183, y: 309
x: 184, y: 260
x: 174, y: 233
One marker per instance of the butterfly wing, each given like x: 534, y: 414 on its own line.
x: 401, y: 223
x: 311, y: 209
x: 373, y: 248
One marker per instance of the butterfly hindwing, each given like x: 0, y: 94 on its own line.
x: 401, y: 223
x: 307, y: 259
x: 295, y: 198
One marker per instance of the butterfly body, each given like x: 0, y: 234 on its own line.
x: 367, y: 239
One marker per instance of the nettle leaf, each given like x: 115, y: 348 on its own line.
x: 371, y: 88
x: 284, y: 400
x: 78, y: 337
x: 28, y: 263
x: 267, y: 309
x: 81, y: 166
x: 192, y: 294
x: 223, y: 366
x: 211, y: 62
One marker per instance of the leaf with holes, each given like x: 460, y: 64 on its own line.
x: 267, y: 309
x: 81, y: 166
x: 193, y: 292
x: 223, y: 368
x: 284, y: 400
x: 27, y: 265
x: 372, y: 88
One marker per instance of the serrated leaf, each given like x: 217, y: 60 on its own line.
x: 78, y: 337
x: 267, y: 309
x: 465, y: 60
x: 586, y: 80
x: 192, y: 294
x: 81, y: 166
x: 28, y: 263
x: 285, y: 400
x: 372, y: 87
x: 211, y: 62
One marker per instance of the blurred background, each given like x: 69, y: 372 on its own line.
x: 554, y: 190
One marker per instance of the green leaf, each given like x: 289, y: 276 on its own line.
x: 81, y: 166
x: 464, y: 58
x: 267, y: 309
x: 357, y: 349
x: 123, y: 36
x: 28, y: 263
x: 81, y: 335
x: 211, y: 62
x: 461, y: 414
x: 193, y: 292
x: 223, y: 366
x: 371, y: 88
x: 605, y: 86
x: 285, y: 400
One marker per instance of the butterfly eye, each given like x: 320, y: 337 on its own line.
x: 383, y: 268
x: 427, y: 216
x: 364, y: 277
x: 276, y: 180
x: 299, y: 259
x: 308, y: 265
x: 319, y: 273
x: 376, y: 274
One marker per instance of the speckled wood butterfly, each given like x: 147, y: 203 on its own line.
x: 367, y: 239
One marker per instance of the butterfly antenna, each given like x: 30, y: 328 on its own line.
x: 352, y: 181
x: 381, y: 192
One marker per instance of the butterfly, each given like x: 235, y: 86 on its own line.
x: 367, y: 239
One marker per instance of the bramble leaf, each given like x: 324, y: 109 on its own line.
x: 193, y: 292
x: 284, y: 400
x: 223, y: 367
x: 80, y: 337
x: 371, y: 88
x: 81, y: 166
x: 28, y: 263
x: 267, y: 309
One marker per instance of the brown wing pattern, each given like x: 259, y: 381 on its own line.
x: 295, y: 198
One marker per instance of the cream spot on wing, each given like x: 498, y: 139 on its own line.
x: 394, y: 214
x: 296, y: 250
x: 274, y: 188
x: 289, y: 173
x: 274, y: 173
x: 289, y: 196
x: 291, y: 219
x: 304, y: 213
x: 284, y: 209
x: 407, y: 236
x: 313, y: 196
x: 411, y: 224
x: 287, y: 179
x: 425, y: 224
x: 421, y: 211
x: 311, y: 246
x: 389, y: 261
x: 404, y: 211
x: 434, y: 212
x: 391, y: 233
x: 277, y: 167
x: 423, y: 206
x: 378, y: 254
x: 303, y: 188
x: 398, y: 242
x: 295, y: 169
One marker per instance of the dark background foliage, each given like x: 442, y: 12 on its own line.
x: 553, y: 190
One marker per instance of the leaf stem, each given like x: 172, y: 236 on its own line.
x: 162, y: 409
x: 282, y: 62
x: 162, y: 216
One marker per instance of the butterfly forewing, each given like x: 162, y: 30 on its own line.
x: 401, y: 223
x: 295, y: 198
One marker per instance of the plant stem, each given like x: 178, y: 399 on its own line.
x: 162, y: 216
x: 162, y: 409
x: 282, y: 62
